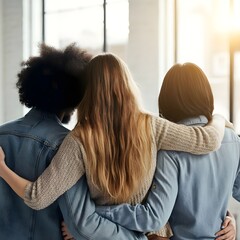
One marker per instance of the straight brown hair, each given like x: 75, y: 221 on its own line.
x: 115, y: 133
x: 185, y: 93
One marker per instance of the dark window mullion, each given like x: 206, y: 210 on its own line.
x: 104, y: 26
x: 43, y: 21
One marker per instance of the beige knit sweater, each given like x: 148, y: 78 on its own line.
x: 70, y: 163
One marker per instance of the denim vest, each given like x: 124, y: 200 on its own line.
x: 29, y: 144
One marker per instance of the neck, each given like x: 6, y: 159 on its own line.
x: 60, y: 116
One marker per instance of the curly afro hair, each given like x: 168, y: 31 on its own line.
x: 53, y: 82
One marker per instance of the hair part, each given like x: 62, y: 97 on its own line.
x: 113, y: 129
x: 53, y: 82
x: 185, y: 93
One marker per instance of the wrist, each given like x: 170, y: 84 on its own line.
x: 3, y: 169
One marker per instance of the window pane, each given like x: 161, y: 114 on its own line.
x: 235, y: 24
x: 117, y: 26
x: 77, y: 21
x: 204, y: 29
x: 203, y: 39
x: 62, y: 5
x: 237, y: 92
x: 74, y: 21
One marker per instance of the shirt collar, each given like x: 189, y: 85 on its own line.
x: 35, y: 114
x: 200, y: 120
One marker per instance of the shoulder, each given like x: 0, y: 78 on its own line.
x: 158, y: 122
x: 71, y: 137
x: 72, y: 141
x: 230, y: 142
x: 168, y: 160
x: 155, y: 118
x: 230, y: 136
x: 49, y: 133
x: 170, y: 154
x: 10, y: 126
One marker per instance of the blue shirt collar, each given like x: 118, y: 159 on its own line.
x: 200, y: 120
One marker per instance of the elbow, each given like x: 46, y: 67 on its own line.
x: 215, y: 142
x: 217, y: 139
x: 154, y: 220
x: 36, y: 205
x: 216, y: 145
x: 208, y: 142
x: 33, y: 199
x: 156, y: 226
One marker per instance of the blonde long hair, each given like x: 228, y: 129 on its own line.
x: 113, y: 129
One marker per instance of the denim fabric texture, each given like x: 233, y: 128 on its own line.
x: 190, y: 191
x: 84, y: 223
x: 29, y: 144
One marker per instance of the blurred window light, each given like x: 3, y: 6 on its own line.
x: 201, y: 42
x: 83, y: 22
x: 90, y: 24
x: 74, y: 21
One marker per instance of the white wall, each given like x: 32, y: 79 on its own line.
x: 143, y: 55
x: 1, y: 63
x: 11, y: 48
x: 20, y: 33
x: 150, y: 48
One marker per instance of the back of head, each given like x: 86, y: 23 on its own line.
x: 110, y: 84
x: 53, y: 81
x: 185, y: 93
x: 113, y: 129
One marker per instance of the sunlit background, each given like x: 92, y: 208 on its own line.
x: 150, y: 35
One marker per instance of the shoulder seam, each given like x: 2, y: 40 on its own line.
x: 36, y: 138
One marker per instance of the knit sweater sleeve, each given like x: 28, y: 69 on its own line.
x: 192, y: 139
x: 64, y: 171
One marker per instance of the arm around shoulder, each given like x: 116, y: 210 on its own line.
x: 82, y: 220
x: 192, y: 139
